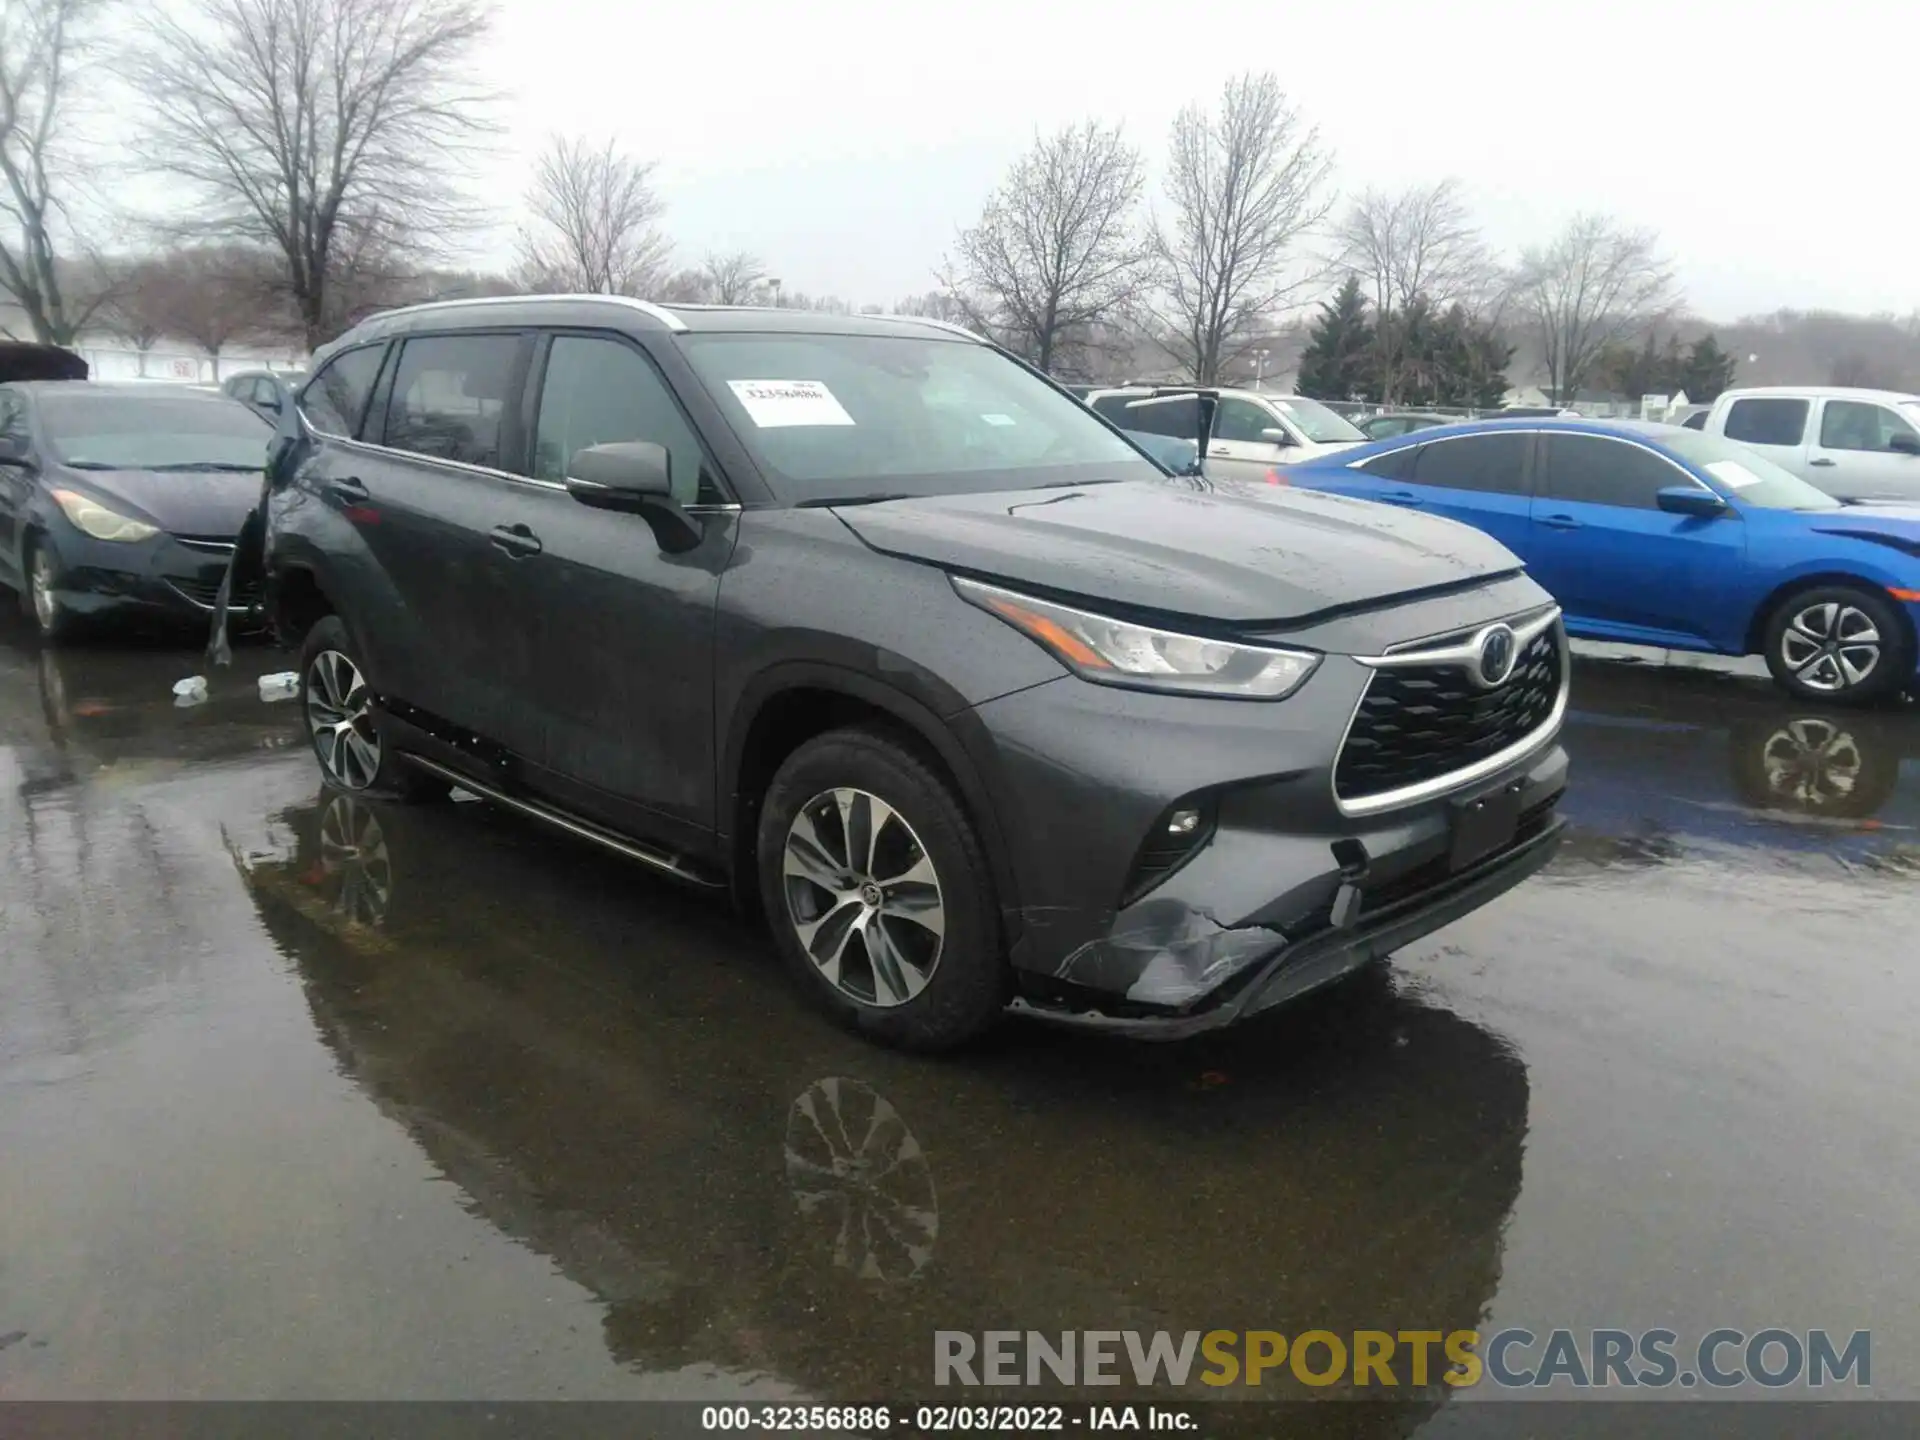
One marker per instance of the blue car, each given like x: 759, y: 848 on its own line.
x: 1655, y: 535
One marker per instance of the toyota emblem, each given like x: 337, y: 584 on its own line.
x: 1494, y: 655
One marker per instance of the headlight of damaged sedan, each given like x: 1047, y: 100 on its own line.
x: 90, y: 517
x: 1118, y: 652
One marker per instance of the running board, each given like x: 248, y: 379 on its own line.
x: 619, y: 844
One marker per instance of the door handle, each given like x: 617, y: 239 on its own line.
x: 1400, y: 497
x: 1561, y: 522
x: 349, y: 489
x: 1821, y: 461
x: 515, y: 540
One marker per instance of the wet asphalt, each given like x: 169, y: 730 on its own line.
x: 305, y: 1097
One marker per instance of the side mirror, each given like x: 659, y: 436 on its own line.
x: 634, y: 477
x: 1277, y: 437
x: 1692, y: 500
x: 1904, y: 441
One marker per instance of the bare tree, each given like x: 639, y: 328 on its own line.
x: 314, y: 128
x: 732, y: 279
x: 210, y: 296
x: 1595, y: 284
x: 1057, y: 251
x: 44, y: 45
x: 1246, y: 186
x: 1406, y: 245
x: 596, y: 222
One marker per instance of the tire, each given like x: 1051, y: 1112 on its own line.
x: 1840, y: 644
x: 934, y: 986
x: 51, y: 620
x: 343, y: 722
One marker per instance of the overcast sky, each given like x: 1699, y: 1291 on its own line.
x: 845, y: 140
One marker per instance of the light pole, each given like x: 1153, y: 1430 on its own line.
x: 1259, y: 367
x: 774, y: 285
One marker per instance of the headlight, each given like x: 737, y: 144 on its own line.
x: 92, y: 518
x: 1117, y: 652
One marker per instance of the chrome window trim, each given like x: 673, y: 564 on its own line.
x: 697, y: 507
x: 1533, y: 742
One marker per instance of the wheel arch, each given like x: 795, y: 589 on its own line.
x: 793, y: 702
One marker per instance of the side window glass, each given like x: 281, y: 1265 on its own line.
x: 335, y: 399
x: 1114, y: 409
x: 450, y: 396
x: 1242, y: 421
x: 1589, y: 469
x: 1860, y: 425
x: 1767, y: 420
x: 599, y: 392
x: 1495, y: 463
x: 1394, y: 465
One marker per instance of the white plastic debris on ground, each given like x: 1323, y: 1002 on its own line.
x: 283, y: 686
x: 190, y: 691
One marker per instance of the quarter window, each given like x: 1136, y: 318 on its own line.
x: 336, y: 398
x: 1767, y: 421
x: 450, y: 397
x: 1493, y: 463
x: 1393, y: 464
x: 1860, y: 425
x: 1593, y: 470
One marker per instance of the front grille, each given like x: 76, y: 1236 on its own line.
x: 1421, y: 722
x: 205, y: 592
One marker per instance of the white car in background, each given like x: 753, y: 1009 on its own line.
x: 1253, y: 433
x: 1856, y: 445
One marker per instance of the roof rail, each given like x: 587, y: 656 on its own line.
x: 946, y: 325
x: 646, y: 307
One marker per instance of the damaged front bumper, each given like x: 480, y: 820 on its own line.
x: 1196, y: 954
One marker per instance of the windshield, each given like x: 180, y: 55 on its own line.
x: 1316, y: 421
x: 852, y: 417
x: 95, y: 430
x: 1746, y: 474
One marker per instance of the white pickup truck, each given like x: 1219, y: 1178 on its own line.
x: 1857, y: 445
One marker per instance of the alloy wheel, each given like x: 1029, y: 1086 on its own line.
x: 1831, y: 647
x: 46, y: 607
x: 863, y: 897
x: 340, y: 719
x: 1812, y: 764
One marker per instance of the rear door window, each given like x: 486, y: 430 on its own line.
x: 335, y: 399
x: 1767, y: 420
x: 1493, y: 463
x: 1394, y: 464
x: 1596, y: 470
x: 451, y: 398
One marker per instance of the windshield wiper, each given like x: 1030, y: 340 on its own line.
x: 204, y: 465
x: 821, y: 502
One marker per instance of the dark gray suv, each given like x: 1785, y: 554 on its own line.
x: 877, y: 626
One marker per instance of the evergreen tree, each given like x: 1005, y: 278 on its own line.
x: 1706, y: 371
x: 1337, y: 362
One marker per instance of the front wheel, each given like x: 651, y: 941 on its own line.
x: 40, y: 596
x: 343, y: 722
x: 1843, y: 644
x: 878, y: 894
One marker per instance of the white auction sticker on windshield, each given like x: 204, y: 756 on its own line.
x: 1732, y: 472
x: 998, y: 419
x: 771, y: 404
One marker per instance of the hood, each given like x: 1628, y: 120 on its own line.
x: 1894, y: 525
x: 213, y: 504
x: 1228, y: 552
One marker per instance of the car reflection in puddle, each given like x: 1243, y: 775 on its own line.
x: 1672, y: 763
x: 615, y: 1075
